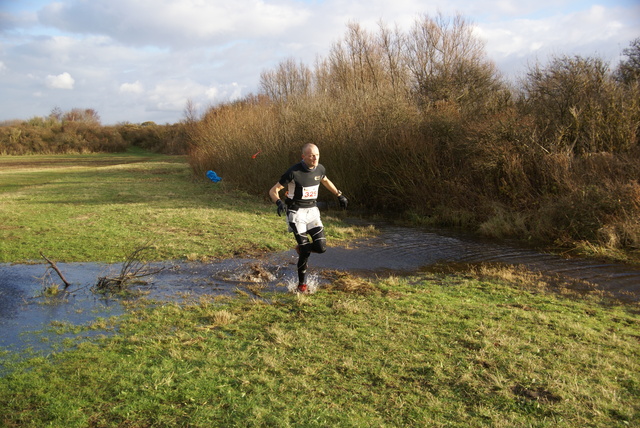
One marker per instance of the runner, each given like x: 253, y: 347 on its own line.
x: 303, y: 180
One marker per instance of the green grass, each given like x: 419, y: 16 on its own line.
x: 421, y: 351
x: 483, y: 348
x: 98, y: 207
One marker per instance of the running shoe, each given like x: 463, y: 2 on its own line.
x: 302, y: 288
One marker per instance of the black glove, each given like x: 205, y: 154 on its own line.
x: 282, y: 208
x: 343, y: 201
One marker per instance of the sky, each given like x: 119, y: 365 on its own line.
x: 134, y: 61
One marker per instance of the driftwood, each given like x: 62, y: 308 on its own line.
x: 55, y: 268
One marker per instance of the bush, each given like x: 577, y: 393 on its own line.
x: 577, y: 106
x: 420, y: 123
x: 77, y: 131
x: 166, y: 139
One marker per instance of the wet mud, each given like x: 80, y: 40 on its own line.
x: 395, y: 251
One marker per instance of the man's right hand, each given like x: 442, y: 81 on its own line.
x: 343, y: 202
x: 282, y: 208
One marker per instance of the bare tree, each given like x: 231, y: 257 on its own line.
x: 190, y: 112
x: 355, y: 63
x: 576, y: 106
x: 288, y: 80
x: 87, y: 116
x: 447, y: 62
x: 56, y: 114
x: 629, y: 69
x: 393, y: 60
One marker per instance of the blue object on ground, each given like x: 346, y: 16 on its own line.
x: 213, y: 176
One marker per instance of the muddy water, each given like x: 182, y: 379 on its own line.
x: 397, y: 250
x: 400, y: 249
x: 27, y: 315
x: 23, y: 311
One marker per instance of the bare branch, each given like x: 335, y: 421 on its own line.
x: 133, y: 268
x: 55, y: 268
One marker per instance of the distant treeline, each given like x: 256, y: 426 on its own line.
x: 419, y: 123
x: 79, y: 131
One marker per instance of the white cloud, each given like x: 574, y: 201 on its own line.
x: 172, y: 95
x: 212, y: 51
x: 236, y: 92
x: 133, y: 88
x: 174, y: 22
x: 61, y: 81
x: 212, y: 93
x: 593, y: 31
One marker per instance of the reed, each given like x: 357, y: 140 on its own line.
x: 421, y: 123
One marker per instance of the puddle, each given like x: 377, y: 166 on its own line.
x: 24, y: 309
x: 401, y: 249
x: 396, y: 250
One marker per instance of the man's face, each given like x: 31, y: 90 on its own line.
x: 311, y: 156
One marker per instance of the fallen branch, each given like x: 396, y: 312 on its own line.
x: 133, y: 268
x: 55, y: 268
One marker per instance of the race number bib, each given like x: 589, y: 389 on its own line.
x: 310, y: 192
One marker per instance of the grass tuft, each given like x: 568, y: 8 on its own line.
x: 347, y: 283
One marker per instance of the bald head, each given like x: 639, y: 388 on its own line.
x: 310, y: 155
x: 308, y: 146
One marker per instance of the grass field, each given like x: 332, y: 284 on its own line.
x: 98, y: 207
x: 484, y: 348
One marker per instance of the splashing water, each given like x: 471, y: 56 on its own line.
x: 313, y: 284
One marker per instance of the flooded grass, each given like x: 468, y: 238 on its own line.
x: 437, y: 351
x: 488, y: 346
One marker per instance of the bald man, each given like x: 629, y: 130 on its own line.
x: 303, y: 181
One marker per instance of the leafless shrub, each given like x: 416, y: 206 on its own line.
x: 421, y: 122
x: 448, y: 63
x: 133, y: 269
x: 577, y: 106
x: 288, y: 80
x: 628, y: 71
